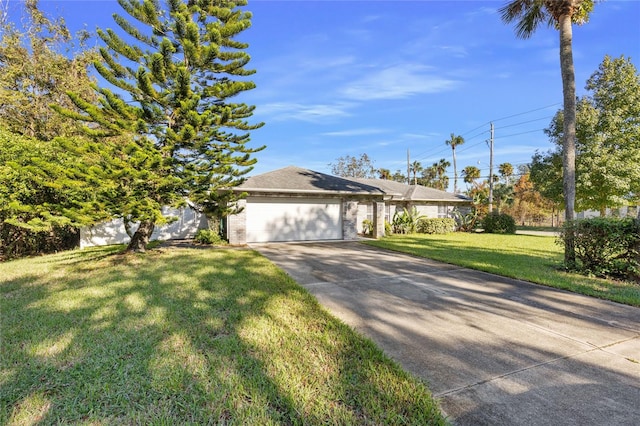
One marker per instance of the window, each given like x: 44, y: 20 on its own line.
x: 443, y: 210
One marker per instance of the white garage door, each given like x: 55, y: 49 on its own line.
x: 277, y: 219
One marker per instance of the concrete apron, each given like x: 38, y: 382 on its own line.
x: 494, y: 351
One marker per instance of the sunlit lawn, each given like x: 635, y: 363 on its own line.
x: 178, y: 336
x: 532, y: 258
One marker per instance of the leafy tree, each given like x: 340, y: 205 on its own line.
x: 177, y: 132
x: 562, y: 14
x: 41, y: 195
x: 399, y: 177
x: 503, y: 195
x: 608, y: 141
x: 38, y: 63
x: 353, y: 167
x: 529, y: 205
x: 453, y: 143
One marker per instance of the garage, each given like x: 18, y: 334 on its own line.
x: 293, y: 219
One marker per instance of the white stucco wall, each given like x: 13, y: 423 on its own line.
x: 188, y: 223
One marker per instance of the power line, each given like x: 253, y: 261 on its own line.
x: 426, y: 154
x: 525, y: 122
x: 521, y: 133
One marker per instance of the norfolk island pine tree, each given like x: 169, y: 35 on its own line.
x: 176, y: 134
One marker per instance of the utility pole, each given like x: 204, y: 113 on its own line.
x: 408, y: 168
x: 491, y: 171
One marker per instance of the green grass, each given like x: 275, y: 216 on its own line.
x: 179, y: 336
x: 532, y: 258
x: 539, y: 228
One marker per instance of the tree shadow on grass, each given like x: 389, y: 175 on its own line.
x: 180, y: 336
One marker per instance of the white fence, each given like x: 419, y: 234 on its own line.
x: 188, y: 223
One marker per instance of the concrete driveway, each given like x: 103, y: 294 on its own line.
x: 494, y: 351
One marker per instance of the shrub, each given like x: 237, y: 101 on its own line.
x: 406, y: 222
x: 466, y: 222
x: 388, y: 229
x: 367, y: 227
x: 208, y: 236
x: 606, y: 246
x: 16, y: 241
x: 499, y: 223
x: 436, y: 225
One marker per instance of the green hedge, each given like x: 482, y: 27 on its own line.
x: 608, y: 247
x: 436, y: 225
x: 499, y: 223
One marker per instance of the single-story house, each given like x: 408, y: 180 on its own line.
x: 296, y: 204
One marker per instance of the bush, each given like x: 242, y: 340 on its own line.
x: 20, y: 242
x: 466, y: 222
x: 607, y: 247
x: 209, y: 236
x: 499, y: 223
x: 367, y: 227
x: 436, y: 225
x: 388, y: 229
x: 406, y: 222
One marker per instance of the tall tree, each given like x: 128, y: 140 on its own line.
x: 562, y: 14
x: 453, y: 142
x: 506, y: 171
x: 435, y: 176
x: 608, y: 140
x: 470, y: 174
x: 175, y: 66
x: 415, y: 168
x: 39, y: 62
x: 354, y: 167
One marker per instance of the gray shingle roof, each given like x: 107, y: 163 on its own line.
x: 402, y: 191
x: 298, y: 180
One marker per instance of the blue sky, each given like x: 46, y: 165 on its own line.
x: 338, y: 78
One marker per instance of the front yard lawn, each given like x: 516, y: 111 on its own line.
x: 186, y: 336
x: 531, y: 258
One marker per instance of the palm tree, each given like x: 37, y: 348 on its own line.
x: 416, y: 168
x: 470, y: 173
x: 562, y: 14
x: 441, y: 174
x: 453, y: 142
x: 384, y: 174
x: 506, y: 171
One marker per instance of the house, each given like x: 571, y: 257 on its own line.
x: 296, y: 204
x: 429, y: 202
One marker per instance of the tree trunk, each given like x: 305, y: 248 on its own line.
x: 140, y: 239
x: 569, y: 137
x: 455, y: 172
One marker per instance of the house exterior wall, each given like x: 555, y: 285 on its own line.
x: 188, y: 222
x: 379, y: 210
x: 349, y: 219
x: 237, y: 225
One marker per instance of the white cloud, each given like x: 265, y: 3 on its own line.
x: 355, y: 132
x: 280, y: 111
x: 398, y: 82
